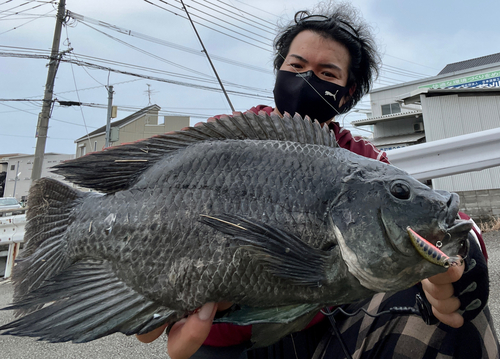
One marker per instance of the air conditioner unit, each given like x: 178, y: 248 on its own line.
x: 418, y: 127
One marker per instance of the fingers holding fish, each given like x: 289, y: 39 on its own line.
x: 152, y: 335
x: 444, y: 304
x: 453, y: 274
x: 454, y: 320
x: 187, y: 335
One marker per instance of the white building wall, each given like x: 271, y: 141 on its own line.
x: 453, y: 115
x: 387, y: 95
x: 23, y: 183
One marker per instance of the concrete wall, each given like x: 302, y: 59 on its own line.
x: 482, y: 204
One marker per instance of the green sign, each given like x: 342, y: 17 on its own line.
x: 464, y: 80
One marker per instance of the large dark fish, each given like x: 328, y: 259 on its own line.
x: 262, y: 211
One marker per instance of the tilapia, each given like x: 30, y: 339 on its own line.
x: 263, y: 211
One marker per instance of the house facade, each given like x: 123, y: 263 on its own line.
x: 139, y: 125
x: 18, y: 170
x: 463, y: 98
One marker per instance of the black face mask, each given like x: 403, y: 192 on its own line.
x: 293, y: 94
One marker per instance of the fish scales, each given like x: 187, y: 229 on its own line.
x: 193, y: 190
x: 261, y: 210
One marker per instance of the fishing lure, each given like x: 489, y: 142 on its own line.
x: 431, y: 252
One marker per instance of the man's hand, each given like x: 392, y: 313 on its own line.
x: 439, y: 292
x: 187, y: 335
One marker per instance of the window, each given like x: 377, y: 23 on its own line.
x: 95, y: 146
x: 83, y: 151
x: 391, y: 108
x: 12, y: 167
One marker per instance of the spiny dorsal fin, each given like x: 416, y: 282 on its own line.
x: 117, y: 168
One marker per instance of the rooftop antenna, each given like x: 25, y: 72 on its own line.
x: 149, y: 92
x: 208, y: 57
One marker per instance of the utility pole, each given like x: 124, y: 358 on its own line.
x: 16, y: 179
x: 110, y: 109
x: 43, y: 117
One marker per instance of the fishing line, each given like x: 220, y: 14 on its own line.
x: 393, y: 310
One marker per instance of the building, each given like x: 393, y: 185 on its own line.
x: 463, y: 98
x: 4, y: 164
x: 18, y: 172
x: 139, y: 125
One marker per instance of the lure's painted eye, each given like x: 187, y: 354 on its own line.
x: 400, y: 190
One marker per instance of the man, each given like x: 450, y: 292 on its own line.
x: 325, y: 63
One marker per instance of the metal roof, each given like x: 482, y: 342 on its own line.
x: 469, y: 64
x: 391, y: 117
x: 393, y: 140
x: 414, y: 96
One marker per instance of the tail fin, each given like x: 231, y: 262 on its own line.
x: 50, y: 206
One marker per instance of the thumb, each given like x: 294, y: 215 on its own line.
x: 187, y: 335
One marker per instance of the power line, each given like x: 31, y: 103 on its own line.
x: 137, y: 67
x: 36, y: 115
x: 17, y: 27
x: 253, y: 15
x: 266, y: 28
x: 215, y: 17
x: 149, y: 53
x: 82, y: 19
x: 19, y: 12
x: 208, y: 27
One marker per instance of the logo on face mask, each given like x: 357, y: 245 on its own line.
x: 328, y: 93
x: 301, y: 93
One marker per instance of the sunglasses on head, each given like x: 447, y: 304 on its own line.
x: 344, y: 26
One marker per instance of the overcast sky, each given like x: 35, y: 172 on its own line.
x: 417, y: 40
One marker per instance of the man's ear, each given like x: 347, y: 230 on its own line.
x: 352, y: 89
x: 346, y: 98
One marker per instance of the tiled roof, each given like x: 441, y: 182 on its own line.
x: 468, y: 64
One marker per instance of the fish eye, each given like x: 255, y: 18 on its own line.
x: 400, y: 190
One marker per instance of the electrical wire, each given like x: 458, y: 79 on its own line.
x: 17, y: 27
x: 36, y: 115
x: 268, y: 29
x: 19, y: 12
x: 78, y: 96
x: 100, y: 67
x: 208, y: 27
x: 225, y: 21
x: 220, y: 26
x: 82, y: 19
x: 253, y: 15
x: 149, y: 53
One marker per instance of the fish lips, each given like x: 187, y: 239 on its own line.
x: 452, y: 241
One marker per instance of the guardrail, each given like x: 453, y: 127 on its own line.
x: 466, y: 153
x: 11, y: 234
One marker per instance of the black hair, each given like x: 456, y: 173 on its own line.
x: 340, y: 23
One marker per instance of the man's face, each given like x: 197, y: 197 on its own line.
x: 327, y: 58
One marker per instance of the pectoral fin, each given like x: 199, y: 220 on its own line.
x: 283, y: 253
